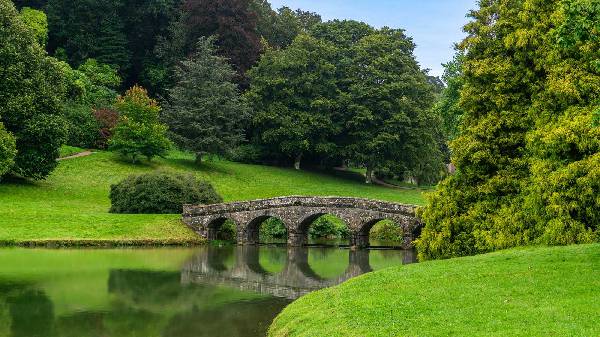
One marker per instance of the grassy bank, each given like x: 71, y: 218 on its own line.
x: 71, y: 206
x: 523, y: 292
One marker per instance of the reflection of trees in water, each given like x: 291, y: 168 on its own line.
x: 144, y: 303
x: 28, y: 311
x: 219, y: 258
x: 234, y: 320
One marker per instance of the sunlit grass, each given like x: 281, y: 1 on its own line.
x: 521, y: 292
x: 73, y: 203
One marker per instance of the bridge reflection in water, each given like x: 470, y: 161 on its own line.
x: 295, y: 279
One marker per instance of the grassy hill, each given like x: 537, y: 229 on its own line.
x: 72, y: 204
x: 519, y: 292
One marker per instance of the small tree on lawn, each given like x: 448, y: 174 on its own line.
x: 139, y: 132
x: 205, y: 112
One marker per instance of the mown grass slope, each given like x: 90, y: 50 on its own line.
x: 73, y: 203
x: 521, y: 292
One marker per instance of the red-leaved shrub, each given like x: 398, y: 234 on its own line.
x: 107, y: 120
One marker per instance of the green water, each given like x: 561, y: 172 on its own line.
x: 209, y: 291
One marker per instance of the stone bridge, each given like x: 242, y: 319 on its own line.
x: 296, y: 278
x: 298, y: 213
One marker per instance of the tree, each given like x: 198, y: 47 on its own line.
x: 232, y: 22
x: 390, y: 127
x: 527, y: 154
x: 32, y: 87
x: 295, y: 96
x: 144, y: 23
x: 279, y: 28
x: 38, y: 23
x: 8, y: 151
x: 89, y: 29
x: 205, y: 112
x: 448, y: 107
x: 139, y: 132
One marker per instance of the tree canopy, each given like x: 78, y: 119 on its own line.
x: 204, y: 110
x: 139, y: 131
x: 32, y: 89
x: 527, y: 154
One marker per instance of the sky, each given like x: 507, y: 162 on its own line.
x: 434, y: 25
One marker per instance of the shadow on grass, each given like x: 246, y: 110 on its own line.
x: 17, y: 180
x: 205, y: 166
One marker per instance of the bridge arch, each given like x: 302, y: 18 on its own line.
x: 250, y: 234
x: 215, y: 225
x: 310, y: 221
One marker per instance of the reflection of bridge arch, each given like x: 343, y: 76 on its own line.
x: 297, y: 213
x: 296, y: 279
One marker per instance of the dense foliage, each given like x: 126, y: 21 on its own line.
x: 528, y: 154
x: 204, y: 110
x: 295, y: 96
x: 160, y: 193
x: 234, y: 24
x: 31, y: 91
x: 37, y: 22
x: 8, y: 150
x: 139, y: 131
x: 347, y: 92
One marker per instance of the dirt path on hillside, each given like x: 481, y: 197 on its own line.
x: 77, y: 155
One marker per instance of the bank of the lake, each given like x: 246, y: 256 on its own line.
x: 70, y: 208
x: 521, y: 292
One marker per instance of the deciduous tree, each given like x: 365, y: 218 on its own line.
x: 139, y: 132
x: 232, y: 22
x: 389, y: 126
x: 33, y: 88
x: 295, y: 95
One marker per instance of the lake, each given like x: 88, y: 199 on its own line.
x: 207, y: 291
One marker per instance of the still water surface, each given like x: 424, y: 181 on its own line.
x: 208, y: 291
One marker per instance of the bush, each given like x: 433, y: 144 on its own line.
x: 246, y: 154
x: 107, y: 120
x: 273, y: 228
x: 82, y: 126
x: 387, y: 231
x: 8, y: 150
x: 329, y: 227
x: 160, y: 193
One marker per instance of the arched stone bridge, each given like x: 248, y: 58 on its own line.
x: 298, y: 213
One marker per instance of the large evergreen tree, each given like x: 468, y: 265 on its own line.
x: 205, y: 111
x: 31, y: 92
x: 527, y: 155
x: 89, y: 29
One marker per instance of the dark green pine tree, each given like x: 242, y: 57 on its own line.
x: 205, y: 111
x: 112, y: 44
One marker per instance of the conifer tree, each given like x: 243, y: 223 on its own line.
x: 528, y: 153
x: 205, y: 111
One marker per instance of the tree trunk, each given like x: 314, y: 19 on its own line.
x: 369, y: 175
x: 199, y: 157
x: 297, y: 162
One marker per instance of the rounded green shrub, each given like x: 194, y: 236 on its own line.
x: 160, y: 193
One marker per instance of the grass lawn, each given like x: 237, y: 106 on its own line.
x: 522, y: 292
x: 72, y: 204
